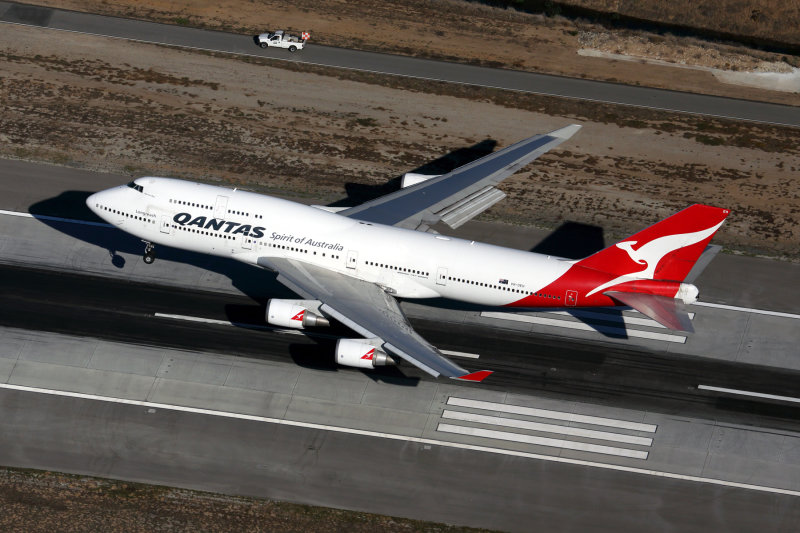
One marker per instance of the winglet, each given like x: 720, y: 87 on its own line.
x: 478, y: 376
x: 565, y: 132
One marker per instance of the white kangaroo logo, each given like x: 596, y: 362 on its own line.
x: 651, y: 253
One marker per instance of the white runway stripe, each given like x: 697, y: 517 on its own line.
x: 749, y: 393
x: 547, y: 428
x: 542, y: 441
x: 554, y: 415
x: 611, y: 330
x: 748, y: 310
x: 611, y: 316
x: 243, y: 325
x: 56, y: 219
x: 608, y: 317
x: 460, y: 354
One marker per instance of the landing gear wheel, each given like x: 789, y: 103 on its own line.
x: 149, y: 253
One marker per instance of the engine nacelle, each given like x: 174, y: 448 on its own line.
x: 293, y: 314
x: 412, y: 178
x: 361, y: 354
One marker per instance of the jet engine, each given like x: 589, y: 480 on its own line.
x: 361, y: 354
x: 293, y: 314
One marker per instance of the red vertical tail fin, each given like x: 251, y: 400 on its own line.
x: 666, y: 250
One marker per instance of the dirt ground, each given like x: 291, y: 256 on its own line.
x: 776, y: 20
x: 464, y: 31
x: 34, y: 502
x: 325, y: 134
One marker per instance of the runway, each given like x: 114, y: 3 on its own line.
x: 574, y: 88
x: 616, y: 427
x: 558, y: 367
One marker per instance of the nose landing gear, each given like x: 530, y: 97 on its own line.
x: 149, y: 253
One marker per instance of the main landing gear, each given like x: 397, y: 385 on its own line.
x: 149, y: 253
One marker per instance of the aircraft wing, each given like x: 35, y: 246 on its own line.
x: 368, y: 310
x: 460, y: 195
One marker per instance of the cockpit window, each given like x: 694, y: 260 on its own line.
x: 133, y: 185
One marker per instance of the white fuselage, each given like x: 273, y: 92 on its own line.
x: 245, y: 226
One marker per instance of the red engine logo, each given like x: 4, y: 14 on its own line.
x: 369, y: 355
x: 299, y: 316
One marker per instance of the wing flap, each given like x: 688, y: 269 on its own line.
x: 667, y: 311
x: 470, y: 207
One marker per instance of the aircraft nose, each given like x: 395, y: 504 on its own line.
x: 91, y: 202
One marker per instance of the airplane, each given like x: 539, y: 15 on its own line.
x: 354, y: 264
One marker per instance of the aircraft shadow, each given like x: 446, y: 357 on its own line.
x: 358, y: 193
x: 572, y: 240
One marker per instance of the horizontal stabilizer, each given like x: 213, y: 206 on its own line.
x: 667, y: 311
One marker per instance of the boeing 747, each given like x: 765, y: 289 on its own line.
x: 353, y: 264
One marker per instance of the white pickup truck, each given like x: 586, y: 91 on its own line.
x: 281, y: 39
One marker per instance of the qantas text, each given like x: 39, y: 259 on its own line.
x: 256, y: 232
x: 185, y: 219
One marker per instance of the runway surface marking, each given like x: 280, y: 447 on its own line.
x: 554, y: 415
x: 460, y: 354
x: 748, y: 310
x: 547, y: 428
x: 610, y: 315
x: 598, y: 328
x: 413, y: 76
x: 542, y: 441
x: 280, y: 330
x: 406, y: 438
x: 57, y: 219
x: 749, y: 393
